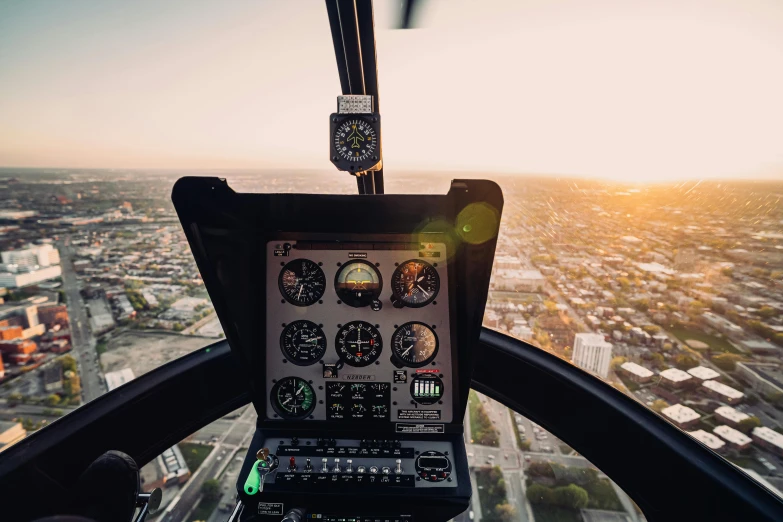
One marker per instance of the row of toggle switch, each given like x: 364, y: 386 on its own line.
x: 308, y: 467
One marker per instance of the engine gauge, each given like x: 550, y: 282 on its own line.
x: 414, y: 283
x: 358, y: 343
x: 426, y: 388
x: 414, y: 344
x: 302, y: 282
x: 293, y: 398
x: 358, y: 283
x: 303, y: 342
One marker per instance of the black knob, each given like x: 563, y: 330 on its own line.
x: 294, y: 441
x: 295, y: 515
x: 397, y: 444
x: 319, y: 442
x: 332, y: 442
x: 363, y: 443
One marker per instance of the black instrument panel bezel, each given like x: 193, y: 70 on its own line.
x: 228, y: 232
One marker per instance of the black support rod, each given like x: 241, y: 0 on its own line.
x: 353, y: 36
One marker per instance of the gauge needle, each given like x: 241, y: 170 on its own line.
x: 300, y: 390
x: 406, y: 351
x: 422, y: 290
x: 300, y: 291
x: 286, y: 401
x: 419, y: 279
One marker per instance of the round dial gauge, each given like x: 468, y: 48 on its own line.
x: 415, y: 283
x: 415, y: 344
x: 303, y: 343
x: 358, y: 343
x: 355, y: 141
x: 426, y: 388
x: 302, y: 282
x: 293, y: 398
x: 358, y: 283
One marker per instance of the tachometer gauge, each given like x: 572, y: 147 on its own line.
x: 358, y: 283
x: 293, y: 398
x: 415, y: 283
x: 302, y: 282
x: 414, y: 344
x: 358, y: 343
x: 303, y: 343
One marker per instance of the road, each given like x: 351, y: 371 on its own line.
x: 82, y: 340
x: 227, y: 447
x: 192, y: 329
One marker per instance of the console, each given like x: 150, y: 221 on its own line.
x: 354, y: 318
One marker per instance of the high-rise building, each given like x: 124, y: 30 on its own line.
x: 592, y: 353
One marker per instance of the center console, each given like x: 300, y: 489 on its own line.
x: 354, y: 318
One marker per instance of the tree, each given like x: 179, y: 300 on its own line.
x: 727, y: 361
x: 658, y: 405
x: 624, y: 282
x: 551, y: 307
x: 651, y: 329
x: 53, y: 400
x: 571, y: 496
x: 767, y: 312
x: 747, y: 425
x: 538, y: 494
x: 617, y: 362
x: 524, y: 445
x: 657, y: 361
x: 210, y: 490
x: 68, y: 363
x: 178, y: 327
x: 14, y: 399
x: 505, y: 512
x: 685, y: 361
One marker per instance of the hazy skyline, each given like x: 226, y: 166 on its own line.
x: 628, y: 90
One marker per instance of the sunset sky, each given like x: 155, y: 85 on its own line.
x: 621, y: 89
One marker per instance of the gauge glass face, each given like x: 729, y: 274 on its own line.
x: 415, y: 344
x: 358, y: 343
x: 415, y: 283
x: 426, y: 388
x: 358, y: 283
x: 355, y: 141
x: 293, y: 398
x: 303, y: 343
x: 302, y: 282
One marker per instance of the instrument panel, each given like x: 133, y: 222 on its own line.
x: 358, y: 332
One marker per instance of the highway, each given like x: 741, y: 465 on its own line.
x: 226, y: 449
x: 82, y: 340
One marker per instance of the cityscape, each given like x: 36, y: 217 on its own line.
x: 672, y: 293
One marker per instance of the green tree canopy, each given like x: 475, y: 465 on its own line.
x: 747, y: 425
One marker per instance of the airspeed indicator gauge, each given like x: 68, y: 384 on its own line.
x: 302, y: 282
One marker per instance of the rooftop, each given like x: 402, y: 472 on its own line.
x: 118, y: 378
x: 708, y: 439
x: 724, y: 390
x: 727, y: 412
x: 679, y: 413
x: 636, y: 369
x: 769, y: 435
x: 675, y: 375
x: 730, y: 434
x: 704, y: 373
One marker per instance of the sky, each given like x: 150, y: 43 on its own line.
x: 630, y: 90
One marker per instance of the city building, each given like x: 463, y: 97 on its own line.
x: 10, y: 433
x: 592, y: 353
x: 722, y: 324
x: 765, y: 379
x: 517, y: 280
x: 720, y: 391
x: 51, y: 314
x: 118, y: 378
x: 32, y: 256
x: 683, y: 416
x: 53, y: 378
x: 736, y: 439
x: 703, y: 373
x: 636, y: 372
x: 760, y: 347
x: 713, y: 442
x: 2, y: 368
x: 768, y: 439
x: 17, y: 277
x: 675, y: 378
